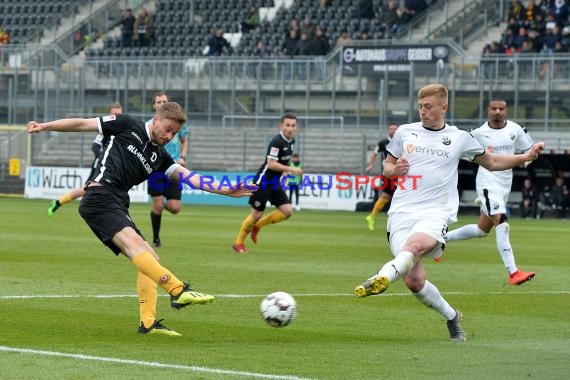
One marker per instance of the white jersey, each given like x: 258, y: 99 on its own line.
x: 510, y: 139
x: 433, y: 157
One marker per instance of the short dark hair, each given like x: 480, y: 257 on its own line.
x: 288, y: 115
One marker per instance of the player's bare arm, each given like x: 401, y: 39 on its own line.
x: 183, y: 149
x: 65, y: 125
x: 371, y: 163
x: 272, y: 164
x: 236, y: 190
x: 393, y: 166
x: 494, y: 162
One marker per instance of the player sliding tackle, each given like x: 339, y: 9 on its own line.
x: 133, y: 152
x: 418, y: 219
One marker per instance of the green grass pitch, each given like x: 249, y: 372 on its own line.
x: 69, y: 309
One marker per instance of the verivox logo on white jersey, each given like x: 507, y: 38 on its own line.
x: 428, y: 150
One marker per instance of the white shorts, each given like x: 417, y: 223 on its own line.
x: 403, y: 224
x: 493, y: 202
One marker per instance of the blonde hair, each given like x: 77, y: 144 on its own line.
x: 172, y: 111
x: 433, y: 89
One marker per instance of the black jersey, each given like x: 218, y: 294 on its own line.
x: 128, y: 157
x: 279, y: 149
x: 381, y: 149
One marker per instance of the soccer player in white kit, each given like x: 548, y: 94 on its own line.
x: 500, y: 136
x: 426, y: 155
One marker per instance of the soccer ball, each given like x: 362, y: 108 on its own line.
x: 278, y: 309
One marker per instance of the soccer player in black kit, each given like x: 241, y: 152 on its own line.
x: 133, y: 154
x: 268, y: 180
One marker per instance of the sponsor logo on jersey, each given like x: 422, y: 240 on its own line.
x: 136, y: 137
x: 109, y: 118
x: 428, y: 150
x: 141, y: 158
x: 274, y: 152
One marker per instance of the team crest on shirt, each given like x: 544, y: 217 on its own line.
x: 445, y: 140
x: 512, y: 136
x: 153, y: 157
x: 274, y: 152
x: 495, y: 206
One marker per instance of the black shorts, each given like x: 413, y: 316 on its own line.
x: 172, y: 191
x: 276, y: 197
x: 106, y: 214
x: 388, y: 189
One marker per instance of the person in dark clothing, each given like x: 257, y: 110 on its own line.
x: 529, y: 199
x: 269, y: 180
x: 218, y: 43
x: 134, y: 153
x: 127, y: 28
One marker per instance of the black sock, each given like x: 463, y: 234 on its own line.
x: 155, y: 219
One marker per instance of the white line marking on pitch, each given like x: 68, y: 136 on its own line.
x: 60, y: 296
x: 191, y: 368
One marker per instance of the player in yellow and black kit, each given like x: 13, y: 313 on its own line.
x: 268, y: 179
x: 387, y: 193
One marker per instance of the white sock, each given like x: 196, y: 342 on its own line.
x: 504, y: 247
x: 431, y: 297
x: 399, y: 266
x: 466, y: 232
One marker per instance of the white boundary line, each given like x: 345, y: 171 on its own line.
x: 150, y: 364
x: 63, y: 296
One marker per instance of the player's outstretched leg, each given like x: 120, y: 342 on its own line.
x: 157, y: 328
x: 53, y: 206
x: 374, y: 285
x: 456, y: 332
x: 519, y: 277
x: 189, y: 297
x: 370, y: 221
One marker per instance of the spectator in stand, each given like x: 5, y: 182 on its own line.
x: 390, y: 19
x: 217, y: 43
x: 251, y: 21
x: 289, y: 49
x: 544, y: 202
x: 552, y: 37
x: 403, y: 15
x: 529, y: 200
x: 559, y: 195
x: 508, y: 41
x: 550, y: 22
x: 365, y: 9
x: 343, y: 39
x: 308, y: 28
x: 290, y: 46
x: 143, y: 28
x: 4, y: 37
x: 127, y: 28
x: 415, y: 7
x: 321, y: 45
x: 535, y: 38
x: 364, y: 35
x: 305, y: 48
x: 324, y: 3
x: 560, y: 12
x: 532, y: 11
x: 520, y: 39
x: 517, y: 12
x: 294, y: 24
x: 260, y: 50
